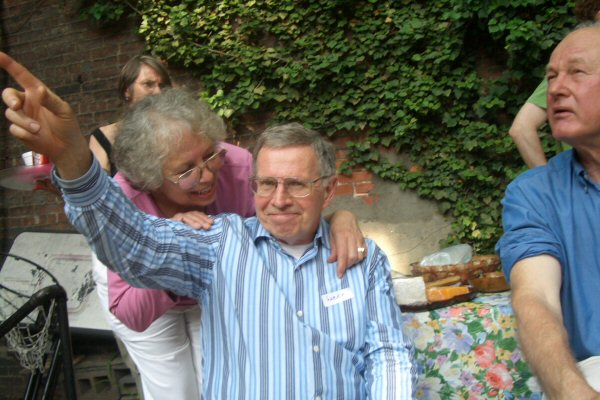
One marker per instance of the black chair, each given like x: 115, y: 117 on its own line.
x: 39, y: 333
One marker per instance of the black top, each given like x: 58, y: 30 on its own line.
x: 107, y: 147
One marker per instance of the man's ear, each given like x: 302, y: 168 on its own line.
x: 330, y: 190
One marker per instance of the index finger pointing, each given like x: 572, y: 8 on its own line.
x: 19, y: 73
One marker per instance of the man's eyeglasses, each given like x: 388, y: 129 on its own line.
x: 191, y: 177
x: 295, y: 187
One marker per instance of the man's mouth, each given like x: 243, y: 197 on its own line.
x: 561, y: 112
x: 282, y: 216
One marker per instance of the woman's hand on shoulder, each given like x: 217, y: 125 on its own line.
x: 348, y: 245
x: 195, y: 219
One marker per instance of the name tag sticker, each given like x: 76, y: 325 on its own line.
x: 334, y: 298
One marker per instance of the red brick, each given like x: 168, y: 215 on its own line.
x: 344, y: 179
x: 344, y: 190
x: 362, y: 175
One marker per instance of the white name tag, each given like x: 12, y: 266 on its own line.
x: 333, y: 298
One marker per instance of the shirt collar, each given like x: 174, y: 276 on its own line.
x: 322, y: 236
x: 581, y: 174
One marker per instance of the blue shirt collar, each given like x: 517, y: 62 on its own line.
x: 321, y: 238
x: 581, y: 174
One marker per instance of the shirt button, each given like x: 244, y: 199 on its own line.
x: 300, y: 314
x: 316, y: 349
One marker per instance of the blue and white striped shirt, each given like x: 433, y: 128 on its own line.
x: 267, y: 331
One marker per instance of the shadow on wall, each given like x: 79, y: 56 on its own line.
x: 405, y: 226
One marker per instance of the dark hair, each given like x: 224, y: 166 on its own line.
x: 131, y: 71
x: 586, y: 10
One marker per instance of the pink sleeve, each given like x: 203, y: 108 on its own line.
x: 134, y: 307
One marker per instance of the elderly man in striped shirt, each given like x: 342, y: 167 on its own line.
x: 277, y: 320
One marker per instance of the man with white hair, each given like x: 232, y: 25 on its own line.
x: 550, y: 249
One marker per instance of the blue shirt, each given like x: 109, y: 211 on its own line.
x: 268, y: 332
x: 555, y: 210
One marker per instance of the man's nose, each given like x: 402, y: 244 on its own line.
x: 280, y: 196
x: 558, y: 85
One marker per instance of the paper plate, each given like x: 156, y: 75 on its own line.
x: 24, y: 177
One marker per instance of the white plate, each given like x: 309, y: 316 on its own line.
x: 24, y: 177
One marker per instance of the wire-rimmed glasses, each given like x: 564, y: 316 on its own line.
x: 191, y: 177
x: 295, y: 187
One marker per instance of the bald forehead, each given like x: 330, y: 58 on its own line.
x: 585, y: 41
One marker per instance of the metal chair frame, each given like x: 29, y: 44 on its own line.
x: 43, y: 383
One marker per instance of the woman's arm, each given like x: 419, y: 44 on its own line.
x: 347, y: 241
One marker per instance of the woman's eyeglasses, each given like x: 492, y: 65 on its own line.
x: 190, y: 178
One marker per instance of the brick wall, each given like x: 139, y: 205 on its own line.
x: 81, y: 64
x: 360, y: 183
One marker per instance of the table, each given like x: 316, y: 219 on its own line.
x: 66, y: 256
x: 469, y: 351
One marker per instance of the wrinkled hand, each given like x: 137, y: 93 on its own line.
x: 195, y: 219
x: 41, y: 120
x: 346, y: 239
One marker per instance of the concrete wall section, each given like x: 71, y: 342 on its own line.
x: 403, y: 225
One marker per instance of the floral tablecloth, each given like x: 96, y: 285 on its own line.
x: 469, y: 351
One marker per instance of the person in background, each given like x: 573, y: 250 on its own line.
x: 277, y: 323
x: 551, y: 241
x: 532, y: 114
x: 140, y: 76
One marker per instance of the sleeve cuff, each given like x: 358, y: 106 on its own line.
x: 86, y: 189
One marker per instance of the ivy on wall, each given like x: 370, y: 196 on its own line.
x: 438, y: 81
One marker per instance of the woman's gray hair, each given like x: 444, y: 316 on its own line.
x: 153, y: 125
x: 294, y: 134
